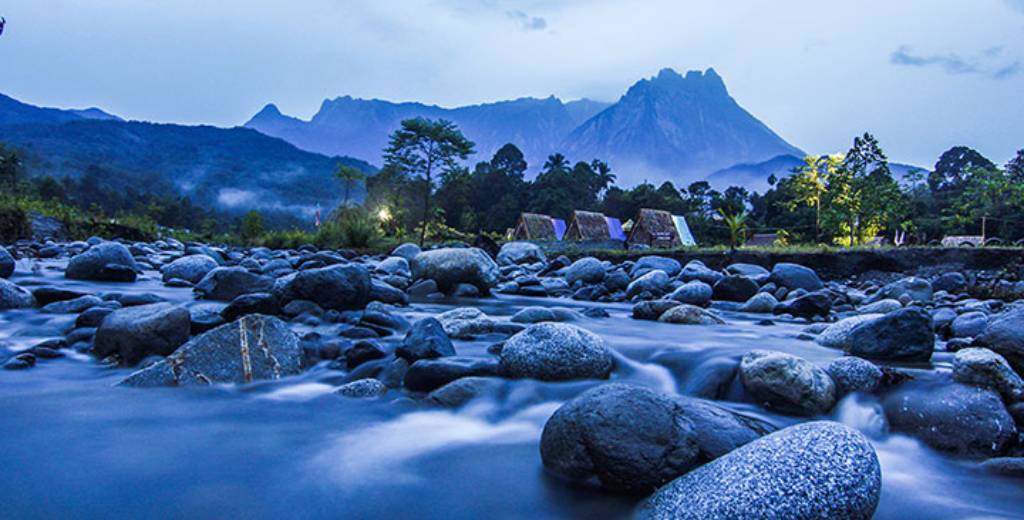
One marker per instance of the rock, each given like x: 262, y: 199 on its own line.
x: 628, y: 438
x: 540, y: 314
x: 79, y: 304
x: 835, y: 335
x: 966, y: 420
x: 694, y: 292
x: 652, y: 309
x: 969, y: 324
x: 616, y: 281
x: 252, y: 303
x: 20, y: 361
x: 109, y: 261
x: 903, y: 335
x: 1006, y: 466
x: 917, y: 289
x: 795, y: 276
x: 881, y: 307
x: 513, y: 253
x: 811, y: 470
x: 669, y: 266
x: 760, y: 303
x: 787, y: 383
x: 465, y: 290
x: 395, y: 265
x: 696, y: 270
x: 382, y: 292
x: 13, y: 296
x: 734, y: 288
x: 984, y: 368
x: 853, y: 374
x: 227, y: 283
x: 467, y: 322
x: 426, y: 339
x: 556, y: 352
x: 655, y: 282
x: 426, y: 375
x: 752, y: 271
x: 137, y: 332
x: 6, y: 263
x: 407, y: 251
x: 423, y: 288
x: 48, y: 295
x: 586, y: 270
x: 363, y: 351
x: 1004, y: 335
x: 684, y: 314
x: 339, y: 287
x: 952, y: 282
x: 718, y: 429
x: 451, y: 266
x: 92, y: 317
x: 191, y: 268
x: 251, y: 349
x: 362, y: 389
x: 463, y: 390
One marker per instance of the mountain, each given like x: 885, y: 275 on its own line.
x: 754, y: 176
x: 233, y: 169
x: 360, y: 127
x: 669, y: 127
x: 674, y: 127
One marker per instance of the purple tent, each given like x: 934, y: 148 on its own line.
x: 615, y: 229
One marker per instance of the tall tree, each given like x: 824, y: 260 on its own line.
x: 862, y: 196
x: 1015, y: 168
x: 953, y: 167
x: 10, y: 165
x: 349, y: 177
x: 810, y: 182
x: 423, y: 147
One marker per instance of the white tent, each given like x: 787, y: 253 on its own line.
x: 685, y: 237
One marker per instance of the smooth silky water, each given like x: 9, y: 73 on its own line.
x: 76, y: 446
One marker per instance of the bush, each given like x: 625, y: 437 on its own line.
x: 14, y: 224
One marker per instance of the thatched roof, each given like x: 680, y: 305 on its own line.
x: 654, y: 228
x: 587, y: 225
x: 534, y: 226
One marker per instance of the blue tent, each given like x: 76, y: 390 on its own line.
x: 559, y: 228
x: 615, y: 229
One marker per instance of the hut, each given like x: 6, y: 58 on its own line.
x: 588, y: 226
x: 654, y: 228
x: 762, y: 240
x: 534, y: 226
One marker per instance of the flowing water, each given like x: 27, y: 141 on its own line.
x: 75, y: 446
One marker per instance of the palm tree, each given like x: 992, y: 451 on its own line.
x: 604, y: 173
x: 556, y: 162
x: 737, y: 224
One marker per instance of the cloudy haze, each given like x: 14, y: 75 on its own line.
x: 923, y: 75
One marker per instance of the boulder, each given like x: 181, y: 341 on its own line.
x: 952, y: 282
x: 467, y: 322
x: 339, y: 287
x: 426, y: 339
x: 362, y: 389
x: 513, y: 253
x: 811, y: 470
x: 541, y: 314
x: 252, y: 303
x: 6, y: 263
x: 109, y: 261
x: 903, y: 335
x: 806, y: 306
x: 626, y: 438
x: 426, y: 375
x: 13, y: 296
x: 464, y: 390
x: 135, y: 333
x: 969, y: 324
x: 696, y: 270
x: 586, y: 270
x: 1004, y: 335
x: 669, y: 266
x: 191, y: 268
x: 966, y: 420
x: 407, y: 251
x: 734, y: 288
x: 787, y: 383
x: 694, y: 292
x: 853, y: 374
x: 655, y: 282
x: 451, y: 266
x: 227, y: 283
x: 917, y: 289
x: 555, y: 352
x: 881, y: 307
x: 395, y: 265
x: 684, y: 314
x: 760, y: 303
x: 984, y: 368
x: 652, y: 309
x: 753, y: 271
x: 795, y: 276
x: 835, y: 334
x: 253, y: 348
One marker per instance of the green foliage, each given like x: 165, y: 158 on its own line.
x: 737, y: 224
x: 861, y: 197
x: 14, y: 224
x: 350, y: 178
x: 251, y: 227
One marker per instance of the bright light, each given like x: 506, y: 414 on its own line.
x: 383, y: 214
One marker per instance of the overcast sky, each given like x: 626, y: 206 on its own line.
x: 923, y: 75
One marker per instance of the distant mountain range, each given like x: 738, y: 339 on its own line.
x: 669, y: 127
x: 236, y: 169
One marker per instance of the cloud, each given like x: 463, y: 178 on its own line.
x: 527, y: 22
x: 990, y: 62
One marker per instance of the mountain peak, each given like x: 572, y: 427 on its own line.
x: 270, y: 110
x: 708, y: 81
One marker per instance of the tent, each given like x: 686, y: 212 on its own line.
x: 588, y: 226
x: 654, y: 228
x: 534, y: 226
x: 685, y: 237
x: 615, y: 229
x: 559, y: 228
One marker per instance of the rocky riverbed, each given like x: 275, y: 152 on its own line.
x: 173, y: 380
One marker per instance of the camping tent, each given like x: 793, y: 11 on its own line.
x: 654, y: 228
x: 588, y: 226
x: 615, y: 229
x: 685, y: 237
x: 534, y: 226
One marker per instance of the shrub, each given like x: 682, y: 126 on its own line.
x: 14, y: 224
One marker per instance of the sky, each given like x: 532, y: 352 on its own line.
x: 922, y: 75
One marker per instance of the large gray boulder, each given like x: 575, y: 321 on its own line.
x: 984, y: 368
x: 670, y: 266
x: 556, y: 352
x: 965, y: 420
x: 696, y: 270
x: 654, y: 282
x: 853, y: 374
x: 254, y: 348
x: 787, y: 383
x: 694, y: 292
x: 969, y: 324
x: 760, y: 303
x: 6, y: 263
x: 338, y: 287
x: 586, y: 270
x: 513, y: 253
x: 108, y: 261
x: 1004, y: 335
x: 469, y: 322
x: 13, y: 296
x: 227, y: 283
x: 137, y: 332
x: 451, y: 266
x: 407, y: 251
x: 191, y: 268
x: 903, y: 335
x: 816, y: 470
x: 836, y: 334
x: 795, y: 276
x: 425, y: 340
x: 734, y: 288
x: 917, y: 289
x: 625, y: 438
x: 684, y: 314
